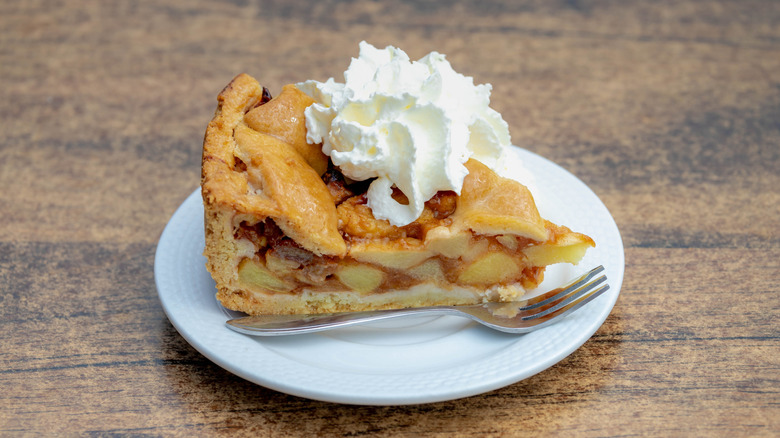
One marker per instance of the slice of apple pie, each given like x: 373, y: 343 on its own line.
x: 287, y: 232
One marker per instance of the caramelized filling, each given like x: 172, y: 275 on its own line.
x: 291, y: 268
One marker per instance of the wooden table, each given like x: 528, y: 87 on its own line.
x: 669, y: 111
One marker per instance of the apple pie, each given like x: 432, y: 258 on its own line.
x: 286, y: 232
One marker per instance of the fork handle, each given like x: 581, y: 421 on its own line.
x: 275, y: 325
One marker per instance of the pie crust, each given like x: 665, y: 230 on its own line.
x: 287, y: 233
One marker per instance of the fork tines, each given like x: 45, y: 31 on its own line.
x: 558, y: 302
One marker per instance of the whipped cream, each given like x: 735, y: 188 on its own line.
x: 409, y: 124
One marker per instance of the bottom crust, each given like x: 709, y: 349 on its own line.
x: 308, y: 301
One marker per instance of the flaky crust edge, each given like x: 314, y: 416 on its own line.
x: 218, y: 181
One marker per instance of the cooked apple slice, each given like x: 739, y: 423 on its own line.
x: 447, y: 242
x: 252, y: 273
x: 394, y: 256
x: 568, y: 249
x: 360, y: 278
x: 430, y: 270
x: 492, y: 268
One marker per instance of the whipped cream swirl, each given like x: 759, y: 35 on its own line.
x: 409, y: 124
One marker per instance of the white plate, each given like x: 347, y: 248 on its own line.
x: 422, y: 360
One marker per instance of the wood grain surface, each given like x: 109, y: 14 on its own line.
x: 669, y: 111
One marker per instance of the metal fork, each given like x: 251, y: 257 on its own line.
x: 515, y: 317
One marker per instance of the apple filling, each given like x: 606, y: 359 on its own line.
x: 382, y: 257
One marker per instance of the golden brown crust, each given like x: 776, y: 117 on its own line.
x: 219, y: 181
x: 283, y: 118
x: 303, y: 207
x: 490, y: 204
x: 309, y: 301
x: 249, y: 172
